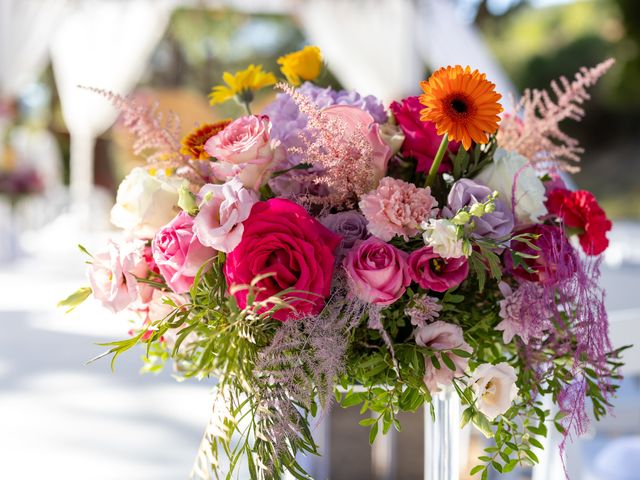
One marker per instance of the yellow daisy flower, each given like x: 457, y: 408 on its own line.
x: 242, y: 84
x: 305, y: 64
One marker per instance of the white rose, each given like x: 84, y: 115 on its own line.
x: 495, y: 388
x: 145, y: 202
x: 530, y: 193
x: 442, y: 236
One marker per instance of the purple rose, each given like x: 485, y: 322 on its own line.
x: 350, y: 225
x: 377, y: 271
x: 432, y: 272
x: 465, y: 193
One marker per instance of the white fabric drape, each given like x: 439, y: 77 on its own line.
x: 368, y: 44
x: 26, y: 28
x: 104, y: 44
x: 443, y: 39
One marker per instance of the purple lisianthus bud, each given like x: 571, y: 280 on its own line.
x: 350, y: 225
x: 465, y: 193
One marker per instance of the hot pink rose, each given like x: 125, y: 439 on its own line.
x: 356, y: 120
x: 112, y: 274
x: 280, y: 237
x: 178, y: 253
x: 420, y: 138
x: 377, y: 271
x: 223, y: 208
x: 245, y: 149
x: 440, y: 335
x: 432, y: 272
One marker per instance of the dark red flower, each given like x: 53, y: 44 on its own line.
x: 579, y: 210
x: 421, y: 140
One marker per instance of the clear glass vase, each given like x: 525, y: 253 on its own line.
x: 442, y: 437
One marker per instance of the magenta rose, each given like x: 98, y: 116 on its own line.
x: 178, y: 253
x: 280, y: 237
x: 377, y: 271
x: 432, y: 272
x: 420, y: 138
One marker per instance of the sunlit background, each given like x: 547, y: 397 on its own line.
x: 64, y: 148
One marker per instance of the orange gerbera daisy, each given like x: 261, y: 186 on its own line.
x: 461, y: 103
x: 193, y: 144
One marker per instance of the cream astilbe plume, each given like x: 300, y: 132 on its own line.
x: 534, y: 129
x: 343, y: 157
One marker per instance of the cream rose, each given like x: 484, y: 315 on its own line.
x: 508, y: 168
x: 442, y: 236
x: 494, y: 387
x: 145, y: 202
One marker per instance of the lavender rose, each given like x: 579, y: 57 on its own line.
x: 350, y: 225
x: 377, y: 271
x: 465, y: 193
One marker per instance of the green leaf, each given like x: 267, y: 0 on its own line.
x: 448, y: 362
x: 373, y: 433
x: 75, y: 299
x: 476, y: 469
x: 351, y: 399
x: 461, y: 353
x: 366, y: 422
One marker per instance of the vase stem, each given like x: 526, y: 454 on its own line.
x: 442, y: 437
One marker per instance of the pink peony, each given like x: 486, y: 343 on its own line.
x: 178, y: 253
x: 442, y: 336
x: 245, y: 149
x: 432, y: 272
x: 421, y: 140
x: 356, y: 120
x: 223, y: 208
x: 377, y: 271
x: 112, y: 274
x: 397, y: 208
x: 280, y: 237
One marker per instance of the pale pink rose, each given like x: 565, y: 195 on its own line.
x: 442, y: 336
x: 245, y: 149
x: 223, y: 208
x: 377, y: 271
x: 159, y: 309
x: 398, y: 208
x: 112, y: 274
x: 356, y: 120
x: 494, y: 387
x: 178, y: 253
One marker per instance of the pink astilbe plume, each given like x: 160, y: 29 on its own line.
x: 343, y: 158
x: 302, y: 362
x: 534, y: 129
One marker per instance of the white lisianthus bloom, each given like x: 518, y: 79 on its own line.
x: 494, y: 387
x: 392, y: 135
x: 145, y: 202
x: 442, y: 236
x: 507, y: 168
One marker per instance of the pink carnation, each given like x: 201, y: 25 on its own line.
x: 397, y: 208
x: 442, y: 336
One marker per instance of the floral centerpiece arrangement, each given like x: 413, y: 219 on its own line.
x: 332, y: 242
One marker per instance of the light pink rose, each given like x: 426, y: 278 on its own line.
x: 112, y: 274
x: 245, y: 149
x: 223, y: 208
x: 377, y: 271
x: 178, y: 253
x: 356, y: 120
x: 494, y: 387
x: 442, y: 336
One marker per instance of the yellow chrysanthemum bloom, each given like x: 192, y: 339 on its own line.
x: 242, y: 84
x: 305, y: 64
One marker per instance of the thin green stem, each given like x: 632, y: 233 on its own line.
x: 433, y: 171
x: 247, y: 106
